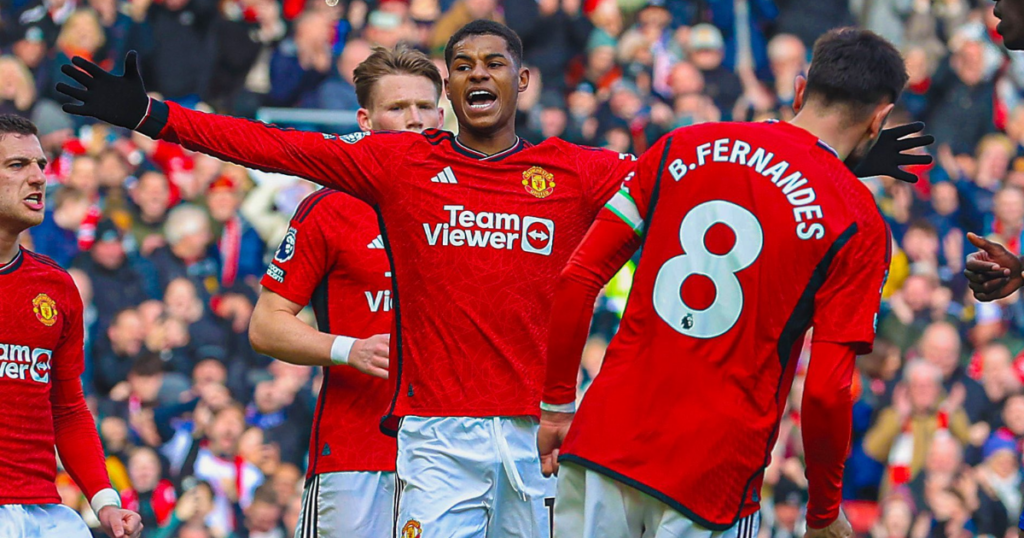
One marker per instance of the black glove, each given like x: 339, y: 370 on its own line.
x: 887, y: 155
x: 118, y: 100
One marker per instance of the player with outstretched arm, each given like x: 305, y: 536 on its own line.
x: 753, y: 233
x: 333, y: 257
x: 41, y: 360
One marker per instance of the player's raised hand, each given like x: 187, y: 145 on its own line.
x: 118, y: 100
x: 840, y: 528
x: 120, y: 523
x: 553, y: 428
x: 371, y: 355
x: 893, y: 150
x: 993, y: 272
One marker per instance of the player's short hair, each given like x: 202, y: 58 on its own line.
x: 922, y: 225
x: 855, y: 69
x: 265, y: 494
x: 17, y: 125
x: 486, y: 27
x: 398, y: 61
x: 184, y: 220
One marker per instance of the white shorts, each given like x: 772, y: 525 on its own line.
x: 353, y: 505
x: 471, y: 478
x: 591, y: 505
x: 41, y: 521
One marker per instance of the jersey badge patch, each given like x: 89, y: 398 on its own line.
x: 45, y: 309
x: 412, y: 529
x: 538, y: 182
x: 287, y: 248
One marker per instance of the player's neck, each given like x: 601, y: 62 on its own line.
x: 9, y: 246
x: 488, y: 143
x: 829, y: 129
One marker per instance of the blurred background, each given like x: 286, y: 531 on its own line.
x: 207, y: 439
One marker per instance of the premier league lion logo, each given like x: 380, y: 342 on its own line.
x: 287, y: 248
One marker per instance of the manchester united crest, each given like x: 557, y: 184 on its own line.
x: 538, y: 182
x: 45, y: 309
x: 412, y: 529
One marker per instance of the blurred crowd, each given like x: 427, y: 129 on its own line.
x: 207, y: 439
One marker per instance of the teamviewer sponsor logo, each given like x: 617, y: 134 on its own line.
x: 25, y: 363
x: 487, y: 229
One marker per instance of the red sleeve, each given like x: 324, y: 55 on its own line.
x: 303, y: 258
x: 826, y: 413
x: 607, y: 246
x: 846, y: 307
x: 604, y: 172
x: 357, y: 163
x: 78, y: 442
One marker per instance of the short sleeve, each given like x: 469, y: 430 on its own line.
x: 68, y: 360
x: 604, y: 172
x: 846, y: 306
x: 302, y: 259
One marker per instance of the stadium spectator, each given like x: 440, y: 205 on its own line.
x: 152, y: 496
x: 117, y: 282
x: 301, y: 63
x: 241, y: 249
x: 553, y: 32
x: 338, y: 92
x: 181, y: 63
x: 115, y: 357
x: 17, y: 87
x: 246, y: 35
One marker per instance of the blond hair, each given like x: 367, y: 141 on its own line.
x: 398, y: 61
x: 25, y: 92
x: 65, y: 40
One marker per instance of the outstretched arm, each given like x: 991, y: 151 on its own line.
x: 347, y: 163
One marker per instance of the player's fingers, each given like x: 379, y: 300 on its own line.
x: 117, y: 527
x: 88, y: 67
x: 377, y: 372
x: 380, y: 362
x: 904, y: 130
x: 77, y: 75
x: 914, y: 160
x: 904, y: 176
x: 72, y: 92
x: 982, y: 243
x: 915, y: 142
x: 76, y: 110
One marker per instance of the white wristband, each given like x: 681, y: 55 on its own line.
x: 340, y: 349
x: 105, y: 497
x: 563, y: 408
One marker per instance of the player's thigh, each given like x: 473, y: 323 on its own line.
x: 591, y: 505
x: 665, y: 522
x: 521, y: 505
x: 41, y: 521
x: 446, y: 477
x: 355, y: 504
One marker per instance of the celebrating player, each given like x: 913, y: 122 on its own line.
x: 42, y: 358
x: 476, y: 227
x: 752, y: 234
x: 333, y: 255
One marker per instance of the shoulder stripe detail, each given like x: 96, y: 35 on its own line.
x: 46, y: 260
x: 624, y: 207
x: 324, y: 193
x: 12, y: 265
x: 305, y: 203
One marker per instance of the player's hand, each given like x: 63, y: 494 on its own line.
x: 840, y: 528
x: 120, y: 523
x: 371, y: 355
x: 894, y: 150
x: 993, y: 272
x: 553, y: 428
x: 118, y: 100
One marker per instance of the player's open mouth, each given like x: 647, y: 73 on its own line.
x: 481, y: 99
x: 35, y: 201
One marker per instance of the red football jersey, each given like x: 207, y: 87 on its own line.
x: 753, y: 233
x: 333, y: 257
x: 41, y: 339
x: 476, y: 243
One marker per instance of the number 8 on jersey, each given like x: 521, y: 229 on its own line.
x: 725, y: 310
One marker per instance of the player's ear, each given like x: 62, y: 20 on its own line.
x: 447, y: 89
x: 524, y: 79
x: 440, y: 118
x: 363, y: 119
x: 800, y: 84
x: 878, y: 119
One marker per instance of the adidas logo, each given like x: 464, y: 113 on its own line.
x: 446, y: 176
x: 378, y: 242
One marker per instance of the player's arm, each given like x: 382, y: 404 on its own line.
x: 122, y: 101
x: 845, y: 313
x: 77, y: 440
x: 276, y: 331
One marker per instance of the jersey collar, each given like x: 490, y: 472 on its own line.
x: 821, y: 143
x: 13, y: 265
x: 518, y: 146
